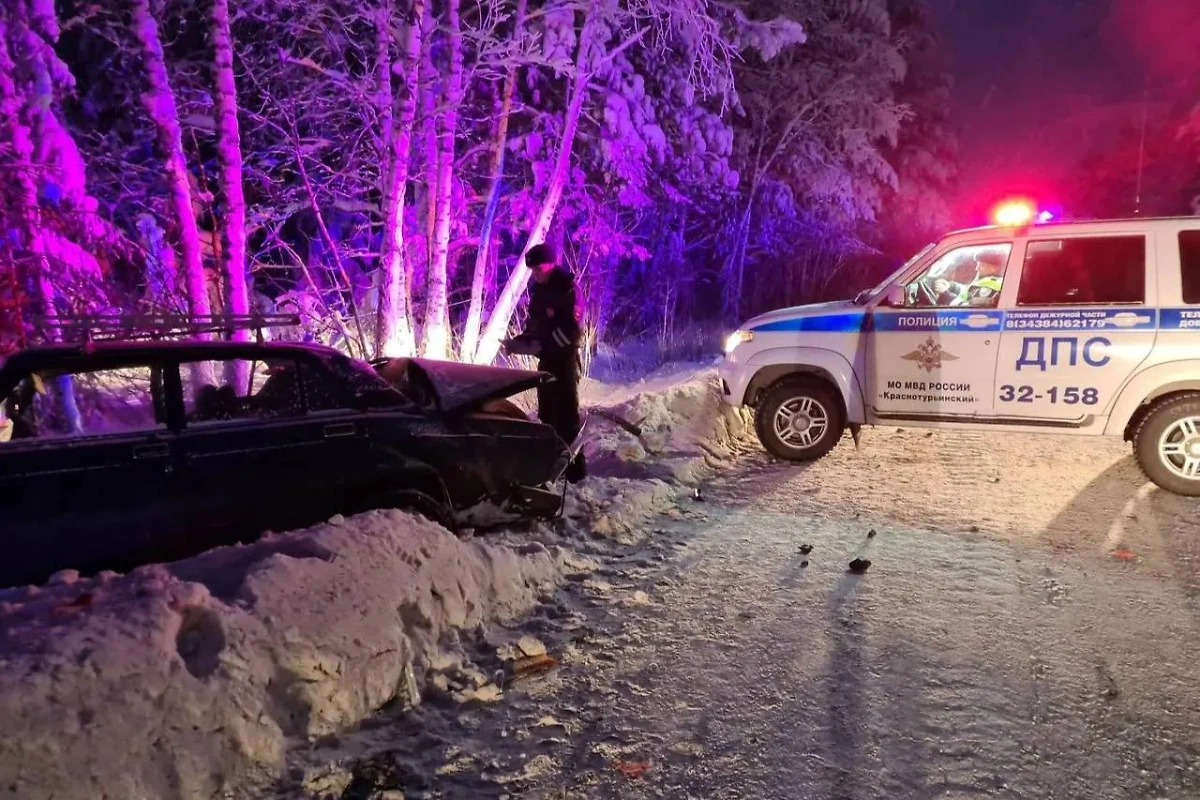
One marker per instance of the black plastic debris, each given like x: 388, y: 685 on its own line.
x: 860, y: 565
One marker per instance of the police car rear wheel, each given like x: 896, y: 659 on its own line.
x: 1167, y: 444
x: 799, y: 419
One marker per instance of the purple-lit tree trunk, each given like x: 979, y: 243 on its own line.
x: 470, y: 342
x: 395, y: 335
x: 229, y: 156
x: 437, y: 317
x: 164, y: 114
x: 427, y: 177
x: 506, y: 304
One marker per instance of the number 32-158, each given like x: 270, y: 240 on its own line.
x: 1072, y: 395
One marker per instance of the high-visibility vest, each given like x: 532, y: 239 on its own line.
x: 989, y: 282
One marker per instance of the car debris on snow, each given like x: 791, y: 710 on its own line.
x: 859, y: 565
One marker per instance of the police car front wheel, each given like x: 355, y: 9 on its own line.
x: 799, y: 419
x: 1167, y: 444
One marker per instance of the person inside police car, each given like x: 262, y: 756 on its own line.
x: 984, y: 288
x: 552, y: 333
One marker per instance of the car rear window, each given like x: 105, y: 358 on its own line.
x: 1189, y: 265
x: 1093, y: 270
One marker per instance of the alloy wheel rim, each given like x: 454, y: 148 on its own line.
x: 1179, y: 448
x: 801, y: 422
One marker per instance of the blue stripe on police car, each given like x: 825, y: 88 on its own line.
x: 828, y: 323
x: 1179, y: 319
x: 1062, y: 319
x: 970, y: 321
x: 989, y: 320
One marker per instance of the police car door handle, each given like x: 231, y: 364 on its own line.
x: 339, y: 430
x: 149, y: 452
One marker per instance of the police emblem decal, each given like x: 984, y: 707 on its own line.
x: 929, y: 355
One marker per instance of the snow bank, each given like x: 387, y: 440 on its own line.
x: 187, y: 680
x: 685, y: 424
x: 687, y: 431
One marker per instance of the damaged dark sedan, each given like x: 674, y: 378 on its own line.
x: 118, y: 454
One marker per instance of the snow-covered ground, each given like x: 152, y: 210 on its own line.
x: 196, y: 679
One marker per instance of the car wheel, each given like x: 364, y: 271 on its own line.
x: 1167, y: 444
x: 414, y: 502
x: 799, y: 419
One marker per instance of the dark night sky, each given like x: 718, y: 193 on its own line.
x: 1037, y: 83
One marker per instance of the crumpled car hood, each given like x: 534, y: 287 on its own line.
x: 457, y: 387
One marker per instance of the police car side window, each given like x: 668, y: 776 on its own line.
x: 1093, y: 270
x: 1189, y: 265
x: 965, y: 277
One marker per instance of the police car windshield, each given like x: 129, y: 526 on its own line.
x: 867, y: 295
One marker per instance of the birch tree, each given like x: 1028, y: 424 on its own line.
x: 471, y: 330
x: 395, y: 331
x: 437, y: 320
x: 159, y: 102
x: 232, y: 221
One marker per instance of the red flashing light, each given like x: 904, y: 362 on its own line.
x: 1014, y: 213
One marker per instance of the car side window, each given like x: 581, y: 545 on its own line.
x: 337, y: 383
x: 965, y: 277
x: 323, y: 390
x: 84, y: 403
x: 1189, y: 265
x: 236, y: 390
x: 1093, y: 270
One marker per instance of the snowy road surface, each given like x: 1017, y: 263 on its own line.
x: 996, y: 647
x: 1022, y: 660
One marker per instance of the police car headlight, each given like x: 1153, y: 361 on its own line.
x: 736, y: 338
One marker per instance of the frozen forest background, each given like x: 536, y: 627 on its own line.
x: 380, y: 166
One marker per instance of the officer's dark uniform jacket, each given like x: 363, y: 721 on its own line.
x: 554, y: 325
x: 552, y: 321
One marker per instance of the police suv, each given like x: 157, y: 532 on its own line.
x: 1086, y: 328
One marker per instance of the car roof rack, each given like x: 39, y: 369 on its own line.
x: 90, y: 328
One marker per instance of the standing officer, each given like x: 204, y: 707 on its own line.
x: 552, y: 333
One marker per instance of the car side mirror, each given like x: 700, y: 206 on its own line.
x: 895, y: 296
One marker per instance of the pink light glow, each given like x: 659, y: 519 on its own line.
x: 1013, y: 213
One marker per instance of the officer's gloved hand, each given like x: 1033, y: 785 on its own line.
x: 522, y: 346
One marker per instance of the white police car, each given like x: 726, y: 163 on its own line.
x: 1086, y: 328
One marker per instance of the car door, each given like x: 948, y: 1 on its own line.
x: 934, y: 358
x: 87, y: 479
x: 1083, y: 320
x: 255, y: 459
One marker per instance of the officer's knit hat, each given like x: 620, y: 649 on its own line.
x: 540, y: 254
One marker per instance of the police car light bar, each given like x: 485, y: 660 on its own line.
x: 1014, y: 213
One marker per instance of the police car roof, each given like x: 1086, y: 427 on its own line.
x: 1075, y: 226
